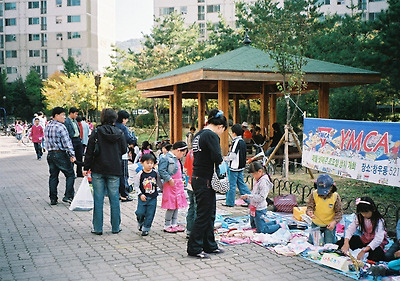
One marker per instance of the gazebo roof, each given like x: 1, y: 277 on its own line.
x: 246, y: 68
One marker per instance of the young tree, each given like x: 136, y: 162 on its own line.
x: 34, y: 85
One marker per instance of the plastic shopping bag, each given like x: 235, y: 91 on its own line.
x: 83, y: 199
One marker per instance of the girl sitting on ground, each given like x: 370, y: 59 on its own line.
x: 373, y: 232
x: 173, y: 196
x: 325, y: 208
x: 258, y: 200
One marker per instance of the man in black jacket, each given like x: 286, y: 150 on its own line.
x: 74, y: 134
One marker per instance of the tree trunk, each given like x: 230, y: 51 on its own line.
x: 248, y: 112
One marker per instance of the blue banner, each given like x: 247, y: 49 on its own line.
x: 367, y: 151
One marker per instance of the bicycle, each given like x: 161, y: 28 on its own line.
x: 268, y: 168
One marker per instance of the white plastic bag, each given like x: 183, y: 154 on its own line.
x: 83, y: 199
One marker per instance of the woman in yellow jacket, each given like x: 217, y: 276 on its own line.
x: 325, y: 208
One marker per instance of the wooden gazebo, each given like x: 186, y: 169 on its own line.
x: 244, y: 73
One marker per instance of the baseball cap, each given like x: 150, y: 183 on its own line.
x: 245, y: 124
x: 324, y: 183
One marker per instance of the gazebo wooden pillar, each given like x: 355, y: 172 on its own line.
x: 235, y: 113
x: 264, y: 106
x: 171, y: 119
x: 201, y: 99
x: 272, y: 114
x: 223, y: 104
x: 177, y: 113
x: 323, y: 101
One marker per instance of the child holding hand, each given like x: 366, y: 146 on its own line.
x: 146, y: 185
x: 173, y: 197
x: 373, y: 232
x: 258, y: 200
x: 325, y: 207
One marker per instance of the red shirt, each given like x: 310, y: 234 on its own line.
x: 36, y: 133
x: 189, y: 165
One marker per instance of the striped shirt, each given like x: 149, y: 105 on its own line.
x: 57, y: 138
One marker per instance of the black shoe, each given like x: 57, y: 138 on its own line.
x: 53, y: 202
x: 226, y: 205
x: 97, y: 233
x: 116, y: 232
x: 145, y: 233
x: 217, y: 251
x: 201, y: 255
x: 245, y: 205
x: 67, y: 200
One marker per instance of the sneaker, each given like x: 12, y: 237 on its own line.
x: 96, y: 233
x: 145, y: 233
x: 217, y: 251
x: 67, y: 200
x: 139, y: 226
x: 170, y: 229
x: 179, y: 228
x: 53, y: 202
x: 201, y: 255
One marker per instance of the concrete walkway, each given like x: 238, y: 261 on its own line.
x: 43, y: 242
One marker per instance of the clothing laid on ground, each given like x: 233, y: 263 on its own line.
x: 106, y: 168
x: 207, y: 155
x: 60, y: 149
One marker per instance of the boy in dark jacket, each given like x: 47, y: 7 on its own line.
x: 237, y: 163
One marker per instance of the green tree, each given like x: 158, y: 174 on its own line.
x: 34, y: 85
x: 4, y: 89
x: 71, y: 66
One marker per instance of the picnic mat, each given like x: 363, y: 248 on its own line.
x: 291, y: 242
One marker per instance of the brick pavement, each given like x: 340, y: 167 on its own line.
x: 43, y: 242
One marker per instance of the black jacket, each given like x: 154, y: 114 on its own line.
x: 112, y: 145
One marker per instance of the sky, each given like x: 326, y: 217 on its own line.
x: 132, y: 18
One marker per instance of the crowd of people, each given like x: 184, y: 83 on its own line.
x: 105, y: 151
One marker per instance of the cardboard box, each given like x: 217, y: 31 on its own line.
x: 298, y: 211
x: 335, y: 261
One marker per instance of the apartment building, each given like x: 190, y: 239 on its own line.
x: 205, y: 11
x: 37, y: 34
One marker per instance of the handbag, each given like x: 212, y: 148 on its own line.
x: 83, y: 199
x: 220, y: 183
x: 285, y: 203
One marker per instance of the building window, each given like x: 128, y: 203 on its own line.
x: 1, y: 57
x: 59, y: 36
x: 34, y: 37
x: 10, y: 22
x: 1, y: 25
x: 33, y: 5
x: 373, y: 16
x: 44, y: 56
x: 43, y: 25
x: 362, y: 4
x: 58, y: 3
x: 213, y: 8
x: 74, y: 52
x: 45, y: 74
x: 43, y: 9
x: 12, y: 70
x: 11, y: 54
x: 10, y: 6
x: 32, y: 21
x: 340, y: 2
x: 74, y: 18
x: 73, y: 2
x: 59, y: 52
x: 58, y: 19
x: 1, y: 41
x: 200, y: 13
x: 36, y: 68
x: 74, y: 35
x: 200, y: 1
x: 34, y: 53
x: 202, y: 29
x: 183, y: 10
x: 1, y: 9
x: 166, y: 11
x: 11, y: 37
x: 44, y: 39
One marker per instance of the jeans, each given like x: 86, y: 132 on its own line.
x: 236, y: 178
x: 390, y: 253
x: 78, y: 148
x: 202, y: 235
x: 101, y: 183
x: 261, y: 225
x: 145, y: 212
x: 191, y: 213
x: 329, y: 236
x: 38, y: 149
x: 59, y: 161
x: 123, y: 180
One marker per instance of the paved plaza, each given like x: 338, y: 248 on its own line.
x: 43, y: 242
